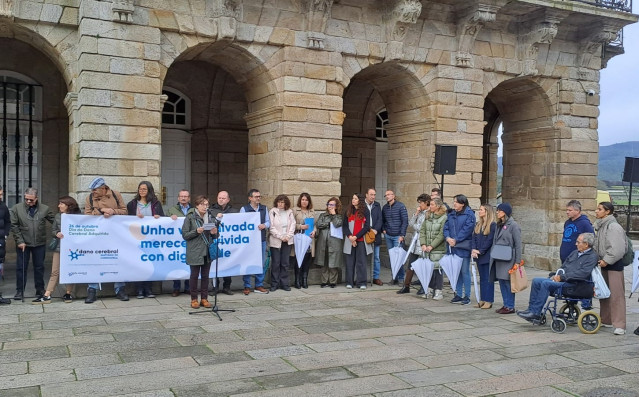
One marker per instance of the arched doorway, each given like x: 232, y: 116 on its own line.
x: 34, y: 124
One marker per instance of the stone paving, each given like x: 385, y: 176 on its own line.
x: 316, y: 342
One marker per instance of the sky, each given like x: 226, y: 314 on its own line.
x: 619, y: 84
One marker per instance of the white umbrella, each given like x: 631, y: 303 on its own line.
x: 451, y: 264
x: 302, y: 242
x: 423, y: 267
x: 397, y: 258
x: 474, y: 270
x: 635, y: 273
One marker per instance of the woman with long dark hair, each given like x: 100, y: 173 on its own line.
x: 145, y: 203
x: 610, y: 245
x: 66, y: 205
x: 303, y: 211
x: 355, y: 225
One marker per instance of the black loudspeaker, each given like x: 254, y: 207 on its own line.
x: 445, y: 159
x: 631, y: 170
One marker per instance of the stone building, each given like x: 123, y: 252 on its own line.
x: 323, y: 96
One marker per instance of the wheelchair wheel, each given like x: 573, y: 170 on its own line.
x: 570, y: 313
x: 558, y: 325
x: 542, y: 320
x: 589, y: 322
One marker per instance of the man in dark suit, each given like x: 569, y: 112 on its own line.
x: 375, y: 210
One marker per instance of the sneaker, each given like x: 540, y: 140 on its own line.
x: 246, y: 291
x: 149, y: 294
x: 67, y: 298
x: 205, y: 303
x: 91, y: 292
x: 606, y: 325
x: 362, y: 287
x: 261, y: 290
x: 456, y: 299
x: 619, y: 331
x: 465, y: 301
x: 140, y: 294
x: 323, y: 285
x: 348, y: 286
x: 438, y: 295
x: 41, y: 300
x: 121, y: 295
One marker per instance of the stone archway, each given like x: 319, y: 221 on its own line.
x: 222, y: 86
x: 43, y: 147
x: 395, y: 89
x: 531, y: 154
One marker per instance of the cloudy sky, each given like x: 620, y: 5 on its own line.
x: 619, y: 107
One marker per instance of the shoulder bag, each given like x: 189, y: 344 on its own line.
x: 501, y: 252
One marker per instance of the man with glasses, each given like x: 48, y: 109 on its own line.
x: 254, y: 205
x: 395, y: 223
x: 221, y: 207
x: 180, y: 210
x: 29, y: 231
x: 578, y: 266
x: 106, y: 202
x: 375, y: 210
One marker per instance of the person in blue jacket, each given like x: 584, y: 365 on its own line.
x: 482, y: 242
x: 576, y: 224
x: 458, y: 231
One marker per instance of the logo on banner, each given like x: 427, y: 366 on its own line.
x: 75, y: 255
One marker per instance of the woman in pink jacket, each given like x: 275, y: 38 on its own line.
x: 281, y: 241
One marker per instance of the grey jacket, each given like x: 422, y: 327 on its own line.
x: 506, y: 234
x: 578, y: 267
x: 197, y: 245
x: 27, y: 229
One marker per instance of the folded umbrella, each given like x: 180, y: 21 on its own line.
x: 635, y: 274
x: 302, y: 242
x: 397, y: 258
x: 473, y: 268
x: 423, y: 268
x: 451, y: 265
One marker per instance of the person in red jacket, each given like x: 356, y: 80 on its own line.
x: 356, y: 224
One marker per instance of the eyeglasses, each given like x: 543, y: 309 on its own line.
x: 257, y: 196
x: 330, y: 205
x: 28, y: 200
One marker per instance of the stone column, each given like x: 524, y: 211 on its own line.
x: 118, y: 100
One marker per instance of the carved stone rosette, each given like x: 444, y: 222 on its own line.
x: 6, y: 8
x: 468, y: 27
x: 122, y: 11
x: 317, y: 14
x: 399, y: 16
x: 226, y: 13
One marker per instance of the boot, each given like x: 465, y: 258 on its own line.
x: 305, y: 279
x: 90, y: 295
x: 297, y: 277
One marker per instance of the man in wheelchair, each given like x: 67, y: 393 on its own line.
x: 577, y: 266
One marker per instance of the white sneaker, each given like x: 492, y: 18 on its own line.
x: 362, y: 287
x: 348, y: 286
x: 619, y: 331
x: 429, y: 292
x: 438, y: 295
x: 606, y: 325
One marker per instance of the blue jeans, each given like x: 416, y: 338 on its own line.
x: 540, y: 290
x: 464, y: 279
x: 176, y: 285
x: 116, y: 286
x: 392, y: 242
x: 486, y: 287
x: 376, y: 262
x: 507, y: 296
x: 259, y: 278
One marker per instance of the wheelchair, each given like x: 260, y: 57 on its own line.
x: 571, y: 293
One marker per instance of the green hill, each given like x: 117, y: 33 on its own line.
x: 612, y: 159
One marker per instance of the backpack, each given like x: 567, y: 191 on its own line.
x: 629, y: 256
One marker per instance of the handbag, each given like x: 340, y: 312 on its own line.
x: 518, y: 278
x: 464, y: 244
x: 369, y: 237
x: 501, y: 252
x: 53, y: 244
x: 601, y: 288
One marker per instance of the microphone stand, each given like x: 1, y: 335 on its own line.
x: 215, y: 309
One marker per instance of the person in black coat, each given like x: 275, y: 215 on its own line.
x: 375, y: 209
x: 145, y: 203
x: 5, y: 227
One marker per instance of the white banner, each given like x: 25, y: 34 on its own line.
x: 127, y: 248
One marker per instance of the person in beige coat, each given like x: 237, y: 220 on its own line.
x: 281, y: 241
x: 610, y: 244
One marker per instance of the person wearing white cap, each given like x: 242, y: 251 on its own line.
x: 106, y: 202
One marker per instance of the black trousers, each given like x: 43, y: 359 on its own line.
x: 280, y: 262
x: 22, y: 267
x: 356, y: 265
